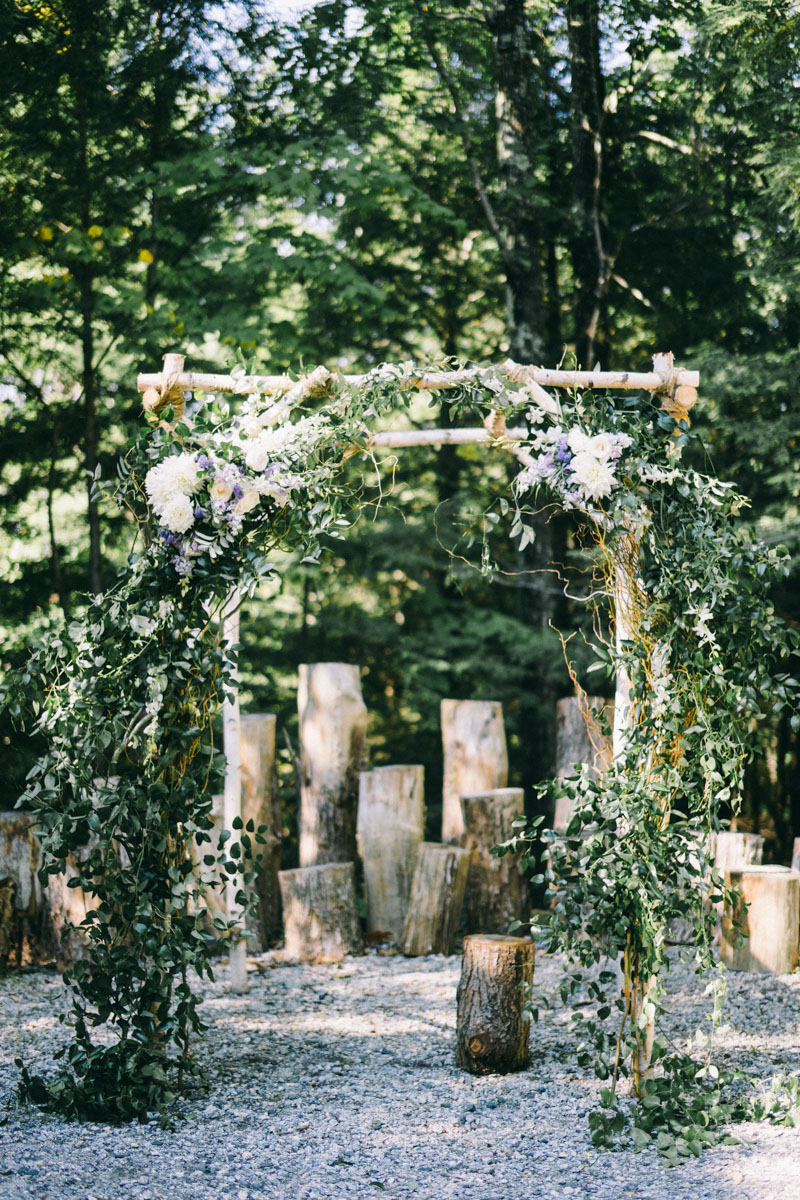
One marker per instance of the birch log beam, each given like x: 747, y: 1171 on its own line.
x: 319, y: 912
x: 492, y: 1031
x: 475, y: 757
x: 232, y: 799
x: 390, y: 829
x: 497, y: 891
x: 261, y: 805
x: 767, y: 915
x: 333, y: 751
x: 579, y: 739
x: 437, y: 897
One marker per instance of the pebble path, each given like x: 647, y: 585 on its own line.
x: 326, y: 1082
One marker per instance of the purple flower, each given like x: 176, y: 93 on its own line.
x: 237, y: 491
x: 204, y: 461
x: 169, y: 538
x: 198, y: 512
x: 563, y: 455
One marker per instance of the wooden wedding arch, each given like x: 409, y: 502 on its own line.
x: 676, y: 386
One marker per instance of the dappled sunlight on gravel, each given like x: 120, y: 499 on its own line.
x: 327, y: 1082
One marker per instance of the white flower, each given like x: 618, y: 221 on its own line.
x: 220, y: 489
x: 250, y: 497
x: 257, y: 455
x: 595, y: 478
x: 579, y: 441
x: 251, y: 425
x: 603, y: 446
x: 177, y: 474
x: 177, y: 514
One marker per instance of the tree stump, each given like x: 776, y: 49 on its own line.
x: 391, y: 826
x: 475, y: 756
x: 491, y: 1031
x: 734, y: 850
x: 497, y: 891
x: 768, y: 910
x: 333, y: 726
x: 437, y: 895
x: 45, y: 917
x: 579, y: 739
x: 10, y: 930
x: 261, y: 805
x: 319, y: 912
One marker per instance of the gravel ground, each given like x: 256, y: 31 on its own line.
x: 338, y: 1081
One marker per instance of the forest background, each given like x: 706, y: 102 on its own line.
x: 588, y: 182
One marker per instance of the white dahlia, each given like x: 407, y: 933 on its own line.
x: 179, y: 473
x: 177, y: 515
x: 595, y: 478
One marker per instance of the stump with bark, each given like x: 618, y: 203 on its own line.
x: 579, y: 739
x: 261, y: 805
x: 391, y: 825
x: 497, y: 892
x: 475, y: 756
x: 492, y: 1032
x: 761, y: 931
x: 437, y: 895
x: 319, y: 912
x: 333, y: 751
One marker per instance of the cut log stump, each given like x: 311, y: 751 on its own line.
x: 437, y: 896
x: 319, y: 912
x: 497, y: 892
x: 492, y: 1032
x: 333, y: 750
x: 579, y: 739
x: 736, y: 850
x: 261, y: 805
x: 475, y: 756
x: 768, y: 912
x: 390, y: 828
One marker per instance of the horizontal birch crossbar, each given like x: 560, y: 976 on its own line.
x: 646, y: 381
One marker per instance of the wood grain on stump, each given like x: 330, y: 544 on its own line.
x: 579, y: 739
x: 437, y: 895
x: 475, y: 756
x: 497, y: 891
x: 333, y: 750
x: 492, y: 1034
x: 261, y: 805
x: 390, y: 828
x: 319, y: 912
x: 768, y: 914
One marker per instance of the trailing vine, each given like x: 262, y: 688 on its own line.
x: 126, y: 700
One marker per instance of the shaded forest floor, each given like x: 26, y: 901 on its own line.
x: 339, y: 1081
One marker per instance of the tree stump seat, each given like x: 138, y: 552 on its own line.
x: 492, y: 1029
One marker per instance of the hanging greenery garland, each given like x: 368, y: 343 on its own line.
x: 126, y: 700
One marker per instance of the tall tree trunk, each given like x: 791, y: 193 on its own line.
x: 588, y: 255
x: 87, y: 299
x: 514, y: 101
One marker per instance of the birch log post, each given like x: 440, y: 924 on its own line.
x: 390, y: 829
x: 492, y: 1032
x: 261, y: 805
x: 319, y: 912
x: 579, y: 739
x: 767, y: 916
x: 497, y: 891
x: 734, y: 850
x: 231, y: 734
x: 333, y: 751
x: 437, y: 896
x: 475, y: 756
